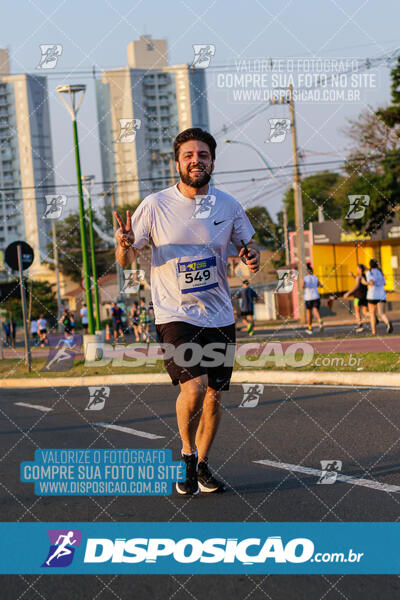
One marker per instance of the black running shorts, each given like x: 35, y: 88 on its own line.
x: 313, y: 304
x: 191, y: 361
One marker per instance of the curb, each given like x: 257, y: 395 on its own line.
x: 370, y: 379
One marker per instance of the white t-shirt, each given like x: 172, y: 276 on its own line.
x: 376, y: 291
x: 34, y: 326
x: 190, y: 239
x: 42, y: 324
x: 311, y: 287
x: 84, y: 315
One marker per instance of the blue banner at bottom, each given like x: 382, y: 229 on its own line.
x: 199, y: 548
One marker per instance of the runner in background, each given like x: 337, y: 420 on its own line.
x: 144, y: 320
x: 42, y: 326
x: 84, y: 318
x: 359, y: 293
x: 34, y: 331
x: 116, y: 315
x: 247, y: 296
x: 134, y: 315
x: 67, y: 322
x: 312, y: 298
x: 376, y: 296
x: 152, y: 319
x: 7, y: 333
x: 72, y: 319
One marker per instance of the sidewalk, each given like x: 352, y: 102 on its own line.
x: 330, y: 320
x: 308, y: 378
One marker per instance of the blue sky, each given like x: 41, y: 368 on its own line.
x: 96, y: 33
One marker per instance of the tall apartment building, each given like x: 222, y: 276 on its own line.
x: 26, y: 162
x: 155, y: 101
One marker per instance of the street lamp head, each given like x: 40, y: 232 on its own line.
x: 87, y: 182
x: 72, y: 91
x: 228, y: 141
x: 89, y: 179
x: 68, y: 88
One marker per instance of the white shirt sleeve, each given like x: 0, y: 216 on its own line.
x: 242, y: 228
x: 141, y: 224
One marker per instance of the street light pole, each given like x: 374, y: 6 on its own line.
x: 57, y: 267
x: 72, y: 108
x: 258, y: 153
x: 89, y: 179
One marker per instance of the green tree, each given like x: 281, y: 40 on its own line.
x: 268, y: 234
x: 107, y: 217
x: 381, y: 186
x: 391, y: 115
x: 321, y: 189
x: 266, y: 231
x: 373, y: 166
x: 70, y: 252
x: 40, y: 296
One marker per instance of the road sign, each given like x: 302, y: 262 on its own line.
x: 11, y: 255
x: 83, y: 286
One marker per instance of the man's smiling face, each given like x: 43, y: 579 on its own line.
x: 195, y: 164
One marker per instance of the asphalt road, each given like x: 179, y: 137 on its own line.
x: 296, y: 425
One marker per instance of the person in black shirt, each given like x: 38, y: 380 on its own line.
x: 116, y: 314
x: 359, y: 293
x: 67, y: 322
x: 134, y: 314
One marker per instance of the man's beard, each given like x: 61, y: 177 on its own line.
x: 196, y: 182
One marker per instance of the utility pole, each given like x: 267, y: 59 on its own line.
x: 298, y: 210
x: 285, y: 235
x: 28, y: 358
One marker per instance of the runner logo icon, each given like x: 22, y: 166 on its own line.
x: 63, y: 543
x: 98, y: 396
x: 251, y: 394
x: 329, y: 471
x: 203, y: 206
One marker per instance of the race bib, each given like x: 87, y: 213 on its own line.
x: 197, y: 275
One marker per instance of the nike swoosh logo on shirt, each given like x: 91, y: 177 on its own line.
x: 218, y: 222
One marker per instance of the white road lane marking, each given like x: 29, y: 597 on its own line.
x: 375, y: 485
x: 330, y: 385
x: 150, y: 436
x: 37, y: 406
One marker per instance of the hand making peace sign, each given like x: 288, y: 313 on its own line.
x: 124, y: 235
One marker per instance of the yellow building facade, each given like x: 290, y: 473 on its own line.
x: 336, y: 252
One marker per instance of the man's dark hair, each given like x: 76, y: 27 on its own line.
x: 373, y: 264
x: 194, y: 133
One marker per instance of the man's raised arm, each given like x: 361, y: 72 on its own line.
x: 125, y: 253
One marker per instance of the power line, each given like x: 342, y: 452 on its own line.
x: 91, y: 71
x: 216, y: 174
